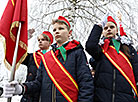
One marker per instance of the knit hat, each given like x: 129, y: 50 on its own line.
x: 61, y: 18
x: 110, y: 19
x: 49, y: 36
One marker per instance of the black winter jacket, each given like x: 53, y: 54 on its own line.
x: 110, y: 85
x: 77, y: 67
x: 31, y: 74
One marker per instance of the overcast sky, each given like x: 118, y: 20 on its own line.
x: 2, y: 6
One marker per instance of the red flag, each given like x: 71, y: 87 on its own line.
x: 15, y: 12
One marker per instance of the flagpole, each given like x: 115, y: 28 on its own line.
x: 13, y: 69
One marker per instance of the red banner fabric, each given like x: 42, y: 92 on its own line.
x: 14, y: 13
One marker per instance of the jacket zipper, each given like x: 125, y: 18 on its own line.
x: 114, y: 77
x: 53, y: 93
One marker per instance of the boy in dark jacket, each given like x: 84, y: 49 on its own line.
x: 32, y: 62
x: 64, y: 75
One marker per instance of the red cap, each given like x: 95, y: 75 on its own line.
x: 110, y: 19
x: 61, y: 18
x: 49, y: 35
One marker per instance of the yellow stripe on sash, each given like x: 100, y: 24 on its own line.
x: 35, y: 60
x: 55, y: 80
x: 121, y: 69
x: 124, y: 57
x: 64, y: 70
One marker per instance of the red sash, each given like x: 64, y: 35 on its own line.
x: 121, y: 62
x: 37, y: 57
x: 62, y: 79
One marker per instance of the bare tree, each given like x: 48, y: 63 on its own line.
x: 82, y: 14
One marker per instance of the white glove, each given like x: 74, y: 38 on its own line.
x: 104, y: 20
x: 12, y: 88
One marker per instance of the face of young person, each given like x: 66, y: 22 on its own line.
x: 43, y: 42
x: 110, y: 30
x: 61, y: 33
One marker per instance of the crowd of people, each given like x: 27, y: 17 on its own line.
x: 62, y: 73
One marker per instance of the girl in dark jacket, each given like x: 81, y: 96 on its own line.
x: 116, y: 63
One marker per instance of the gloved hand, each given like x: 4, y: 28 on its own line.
x: 104, y: 20
x: 12, y: 88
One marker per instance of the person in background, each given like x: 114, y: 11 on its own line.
x: 32, y: 62
x: 116, y: 72
x: 63, y: 75
x: 137, y: 49
x: 92, y: 63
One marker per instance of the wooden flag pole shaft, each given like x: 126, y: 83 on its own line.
x: 13, y: 69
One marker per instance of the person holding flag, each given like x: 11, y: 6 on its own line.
x: 32, y: 62
x: 116, y: 72
x: 63, y: 75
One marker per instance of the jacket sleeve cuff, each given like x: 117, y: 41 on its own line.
x: 23, y: 89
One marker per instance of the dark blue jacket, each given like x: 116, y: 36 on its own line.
x: 76, y: 65
x: 31, y: 74
x: 110, y: 85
